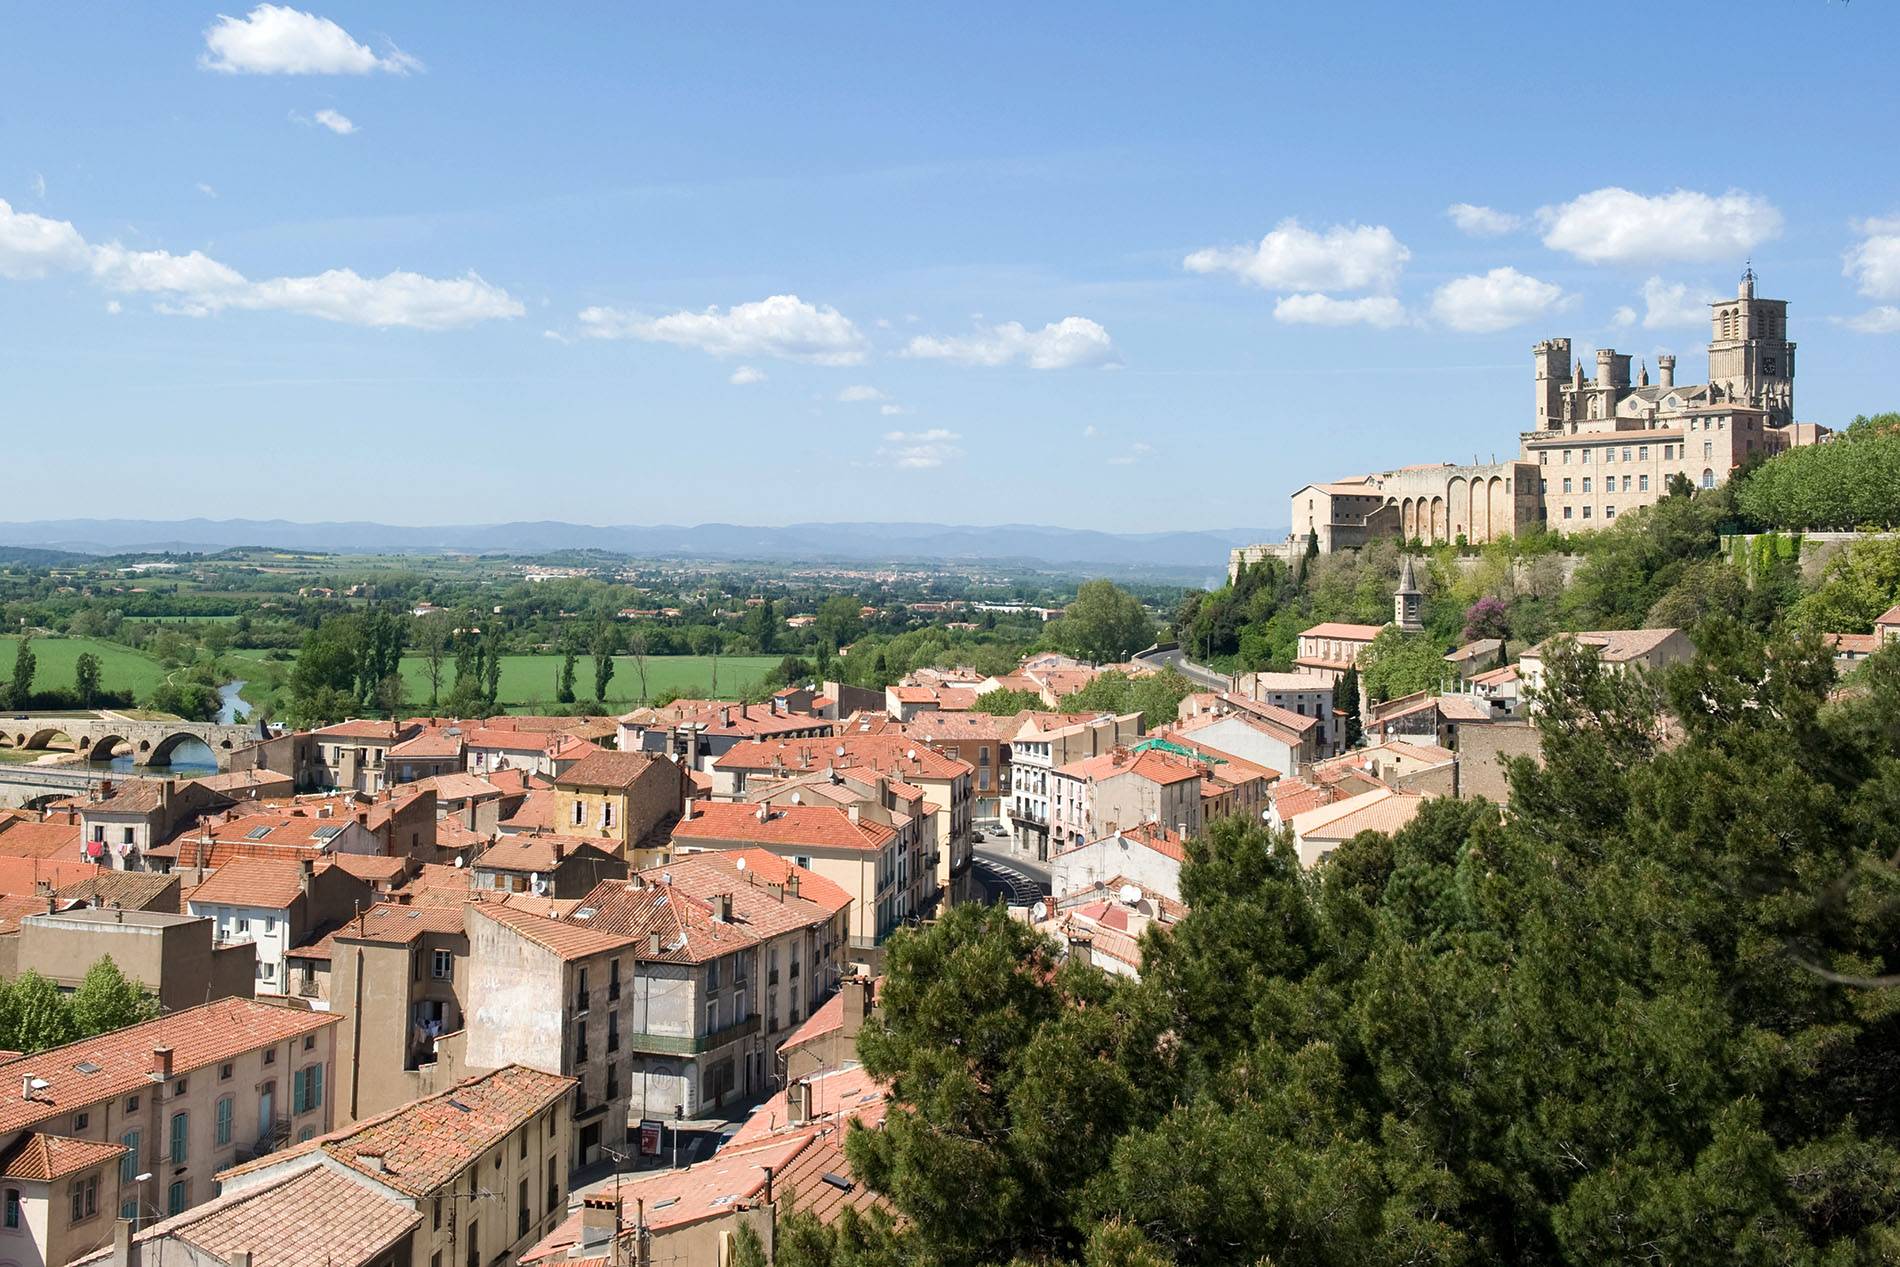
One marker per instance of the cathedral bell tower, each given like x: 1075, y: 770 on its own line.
x: 1407, y: 603
x: 1750, y: 357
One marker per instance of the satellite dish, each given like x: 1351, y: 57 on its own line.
x: 1039, y: 912
x: 458, y: 859
x: 741, y: 864
x: 798, y: 798
x: 1130, y: 894
x: 839, y: 750
x: 911, y: 755
x: 38, y: 1084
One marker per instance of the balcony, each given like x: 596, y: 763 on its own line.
x: 685, y: 1045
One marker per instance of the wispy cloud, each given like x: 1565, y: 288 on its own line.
x: 920, y: 450
x: 274, y: 39
x: 783, y: 326
x: 1070, y: 343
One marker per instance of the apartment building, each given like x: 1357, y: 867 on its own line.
x: 1123, y: 789
x: 275, y: 906
x: 127, y: 819
x: 398, y: 974
x: 1044, y: 741
x: 893, y: 761
x: 878, y: 865
x: 138, y: 1123
x: 626, y: 797
x: 546, y: 865
x: 351, y: 755
x: 472, y: 1175
x: 1618, y: 650
x: 980, y: 741
x: 1302, y: 694
x: 176, y: 959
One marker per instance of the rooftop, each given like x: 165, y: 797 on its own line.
x: 114, y: 1064
x: 424, y: 1145
x: 258, y: 882
x: 789, y: 826
x: 602, y: 768
x: 562, y: 938
x: 40, y: 1158
x: 1612, y: 645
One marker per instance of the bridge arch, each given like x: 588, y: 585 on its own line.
x: 43, y: 738
x: 161, y: 752
x: 102, y: 747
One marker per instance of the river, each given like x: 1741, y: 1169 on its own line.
x: 191, y: 758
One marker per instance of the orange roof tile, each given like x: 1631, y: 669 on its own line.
x: 40, y: 840
x: 602, y: 768
x: 565, y: 939
x: 41, y: 1158
x: 198, y: 1037
x: 252, y: 882
x: 788, y: 826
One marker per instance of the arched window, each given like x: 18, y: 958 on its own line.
x: 1708, y: 478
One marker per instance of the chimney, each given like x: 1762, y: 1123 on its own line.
x: 798, y: 1104
x: 768, y: 1184
x: 372, y: 1161
x: 599, y: 1214
x: 791, y: 882
x: 725, y: 717
x: 858, y: 998
x: 122, y: 1250
x: 161, y: 1063
x: 722, y: 907
x: 560, y: 851
x: 309, y: 873
x: 854, y: 813
x: 241, y: 1258
x: 653, y: 943
x: 166, y: 790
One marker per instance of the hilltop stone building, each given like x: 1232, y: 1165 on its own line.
x: 1599, y: 446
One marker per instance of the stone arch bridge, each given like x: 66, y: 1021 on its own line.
x: 100, y: 738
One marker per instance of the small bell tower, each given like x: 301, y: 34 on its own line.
x: 1407, y: 602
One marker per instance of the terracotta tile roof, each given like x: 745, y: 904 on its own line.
x: 828, y: 1019
x: 373, y: 867
x: 547, y: 907
x: 1289, y: 681
x: 133, y: 890
x: 16, y: 907
x: 387, y: 924
x: 897, y: 755
x: 429, y: 745
x: 134, y: 796
x: 933, y: 727
x: 252, y: 882
x: 806, y: 1179
x: 437, y: 884
x: 677, y: 902
x: 565, y: 939
x: 537, y: 809
x: 385, y: 731
x: 1381, y: 809
x: 426, y: 1143
x: 1613, y: 645
x: 198, y: 1037
x: 608, y: 769
x: 41, y: 1158
x: 1343, y: 631
x: 847, y: 1093
x: 243, y: 783
x: 787, y: 826
x: 1430, y: 753
x: 539, y: 852
x: 23, y: 876
x: 40, y: 840
x: 1462, y: 708
x: 1889, y: 617
x: 318, y: 1218
x: 1154, y: 765
x: 1496, y: 677
x: 281, y: 829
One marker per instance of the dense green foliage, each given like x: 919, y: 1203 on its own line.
x: 1400, y: 663
x: 1156, y: 696
x: 35, y: 1015
x: 1635, y: 1018
x: 1852, y: 482
x: 1104, y: 624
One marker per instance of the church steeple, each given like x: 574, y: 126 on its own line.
x: 1407, y: 602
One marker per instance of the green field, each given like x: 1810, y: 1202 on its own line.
x: 529, y: 679
x: 120, y: 668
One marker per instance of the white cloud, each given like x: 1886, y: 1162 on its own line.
x: 893, y: 411
x: 33, y: 246
x: 207, y: 190
x: 1089, y: 432
x: 337, y: 123
x: 194, y: 284
x: 1483, y: 222
x: 1324, y: 310
x: 39, y: 184
x: 1617, y: 226
x: 114, y: 307
x: 745, y: 376
x: 1070, y: 343
x: 1293, y: 257
x: 1136, y: 453
x: 1882, y: 320
x: 1623, y: 317
x: 275, y: 39
x: 1497, y: 300
x: 783, y: 326
x: 920, y: 450
x: 1669, y: 304
x: 1874, y: 263
x: 859, y: 392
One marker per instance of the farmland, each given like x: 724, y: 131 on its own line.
x: 120, y: 668
x: 530, y: 679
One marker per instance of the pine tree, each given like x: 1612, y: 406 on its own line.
x: 20, y: 694
x: 1346, y: 702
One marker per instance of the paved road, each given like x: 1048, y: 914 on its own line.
x: 1193, y: 672
x: 1017, y: 881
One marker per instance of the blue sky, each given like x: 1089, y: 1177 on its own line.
x: 1124, y: 267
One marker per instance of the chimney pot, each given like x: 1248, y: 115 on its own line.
x: 162, y: 1062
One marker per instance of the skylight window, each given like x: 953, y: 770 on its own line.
x: 257, y: 833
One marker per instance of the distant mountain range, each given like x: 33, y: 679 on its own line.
x: 856, y: 542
